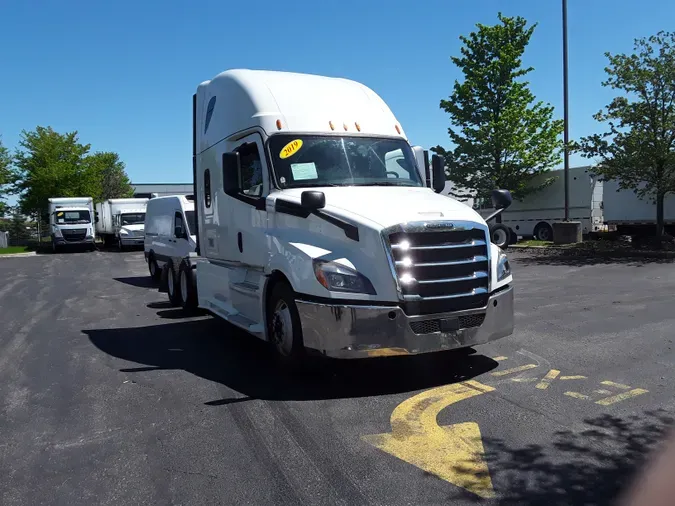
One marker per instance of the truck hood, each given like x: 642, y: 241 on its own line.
x: 387, y: 206
x: 133, y: 228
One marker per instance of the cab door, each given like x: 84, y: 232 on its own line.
x: 246, y: 241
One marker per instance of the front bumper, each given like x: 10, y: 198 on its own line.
x: 368, y: 331
x: 132, y: 241
x: 60, y: 241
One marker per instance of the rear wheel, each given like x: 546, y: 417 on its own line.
x: 120, y: 246
x: 174, y: 292
x: 284, y: 330
x: 500, y: 234
x: 543, y: 232
x: 188, y: 286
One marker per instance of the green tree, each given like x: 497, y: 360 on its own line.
x: 17, y: 229
x: 114, y: 182
x: 638, y: 148
x: 5, y: 175
x: 50, y: 164
x: 502, y: 137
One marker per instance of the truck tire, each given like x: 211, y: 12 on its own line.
x: 188, y: 286
x: 171, y: 285
x: 284, y: 331
x: 155, y: 272
x: 500, y: 234
x: 55, y: 248
x: 543, y: 232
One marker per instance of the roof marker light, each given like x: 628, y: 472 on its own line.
x: 278, y: 124
x: 344, y: 125
x: 358, y: 127
x: 398, y: 129
x: 332, y: 127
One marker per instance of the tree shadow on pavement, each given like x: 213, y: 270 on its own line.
x: 591, y: 467
x: 216, y: 351
x: 580, y: 259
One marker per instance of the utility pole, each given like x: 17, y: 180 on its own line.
x: 566, y: 113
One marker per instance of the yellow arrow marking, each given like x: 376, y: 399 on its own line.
x: 453, y: 453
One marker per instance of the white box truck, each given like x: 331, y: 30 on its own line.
x: 535, y: 214
x: 626, y: 214
x: 71, y: 222
x: 121, y: 221
x: 313, y: 238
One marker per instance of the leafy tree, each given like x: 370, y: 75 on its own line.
x: 638, y: 150
x: 5, y: 175
x: 502, y: 138
x: 17, y: 229
x: 50, y: 164
x: 114, y: 182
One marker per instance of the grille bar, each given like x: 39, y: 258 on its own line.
x: 477, y: 258
x: 475, y: 275
x: 468, y: 244
x: 475, y: 291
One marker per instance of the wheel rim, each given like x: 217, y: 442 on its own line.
x: 183, y: 285
x: 499, y: 237
x: 171, y: 281
x: 544, y: 234
x: 282, y: 328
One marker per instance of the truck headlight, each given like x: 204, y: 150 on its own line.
x: 124, y: 232
x: 338, y: 278
x: 57, y: 232
x: 503, y: 266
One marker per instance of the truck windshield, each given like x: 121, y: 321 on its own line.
x: 72, y: 217
x: 133, y: 219
x: 313, y: 161
x: 190, y: 218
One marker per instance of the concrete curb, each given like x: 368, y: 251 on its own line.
x: 599, y: 253
x: 14, y: 255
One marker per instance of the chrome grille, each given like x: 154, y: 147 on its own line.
x: 74, y: 234
x: 430, y: 326
x: 441, y: 270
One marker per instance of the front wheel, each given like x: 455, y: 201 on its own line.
x: 500, y: 234
x: 543, y: 232
x: 284, y: 330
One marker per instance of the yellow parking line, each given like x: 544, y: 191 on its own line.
x: 546, y: 380
x: 514, y: 369
x: 617, y: 385
x: 499, y: 358
x: 576, y: 395
x: 621, y: 397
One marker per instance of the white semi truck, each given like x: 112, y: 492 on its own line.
x: 121, y: 221
x: 71, y: 222
x: 312, y: 236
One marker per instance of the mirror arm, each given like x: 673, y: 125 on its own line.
x: 494, y: 215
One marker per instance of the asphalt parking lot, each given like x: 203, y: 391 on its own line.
x: 109, y: 396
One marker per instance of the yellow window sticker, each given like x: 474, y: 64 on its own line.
x: 291, y: 148
x: 60, y: 213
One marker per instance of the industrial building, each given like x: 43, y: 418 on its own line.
x: 148, y: 190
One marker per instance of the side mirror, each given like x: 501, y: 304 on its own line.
x: 231, y: 170
x: 501, y: 199
x: 438, y: 173
x: 313, y: 200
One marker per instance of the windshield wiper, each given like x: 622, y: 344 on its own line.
x: 388, y: 183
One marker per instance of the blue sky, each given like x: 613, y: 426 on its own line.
x: 122, y: 73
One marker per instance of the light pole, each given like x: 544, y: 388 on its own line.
x: 566, y: 119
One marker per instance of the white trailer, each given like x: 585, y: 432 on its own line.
x: 626, y: 214
x: 535, y: 214
x: 121, y: 221
x: 310, y: 236
x: 71, y: 222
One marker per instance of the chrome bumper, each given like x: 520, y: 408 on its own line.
x: 369, y: 331
x: 132, y: 241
